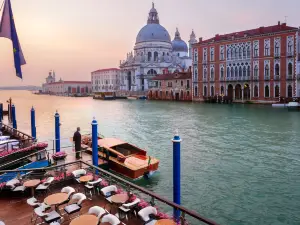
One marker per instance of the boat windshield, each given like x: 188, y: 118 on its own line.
x: 127, y: 149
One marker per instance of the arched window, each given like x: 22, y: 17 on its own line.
x: 277, y: 69
x: 222, y: 54
x: 196, y: 57
x: 244, y: 71
x: 240, y: 71
x: 196, y: 75
x: 276, y: 91
x: 267, y: 71
x: 228, y: 53
x: 244, y: 52
x: 222, y: 72
x: 167, y: 94
x: 236, y: 72
x: 212, y: 74
x: 248, y: 71
x: 290, y: 69
x: 155, y: 56
x: 222, y: 90
x: 212, y: 55
x: 240, y: 53
x: 290, y: 47
x: 78, y: 89
x: 267, y: 91
x: 228, y: 72
x: 267, y: 50
x: 205, y: 73
x: 236, y: 53
x: 290, y: 91
x: 248, y: 52
x: 205, y: 91
x: 196, y: 91
x: 255, y: 51
x: 255, y: 91
x: 232, y: 72
x: 152, y: 72
x: 149, y: 56
x: 277, y: 48
x: 212, y: 93
x: 256, y: 71
x: 232, y: 53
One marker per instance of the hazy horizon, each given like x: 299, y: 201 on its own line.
x: 75, y: 38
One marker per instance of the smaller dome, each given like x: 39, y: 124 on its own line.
x: 179, y: 45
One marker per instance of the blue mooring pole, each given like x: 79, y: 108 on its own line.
x: 95, y: 142
x: 57, y: 132
x: 14, y: 119
x: 33, y: 127
x: 176, y: 174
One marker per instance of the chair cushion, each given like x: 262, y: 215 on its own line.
x: 124, y: 209
x: 52, y: 216
x: 72, y: 208
x: 42, y: 187
x: 89, y: 187
x: 20, y: 188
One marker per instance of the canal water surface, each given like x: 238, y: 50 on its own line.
x: 240, y: 163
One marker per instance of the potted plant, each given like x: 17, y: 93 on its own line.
x: 59, y: 157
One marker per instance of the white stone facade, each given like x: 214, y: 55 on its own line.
x: 153, y: 52
x: 106, y: 80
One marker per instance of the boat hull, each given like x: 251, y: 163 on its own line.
x: 132, y: 174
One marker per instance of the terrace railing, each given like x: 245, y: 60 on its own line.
x: 63, y: 172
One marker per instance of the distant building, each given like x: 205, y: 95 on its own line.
x: 172, y: 86
x: 65, y: 87
x: 153, y: 52
x: 260, y: 65
x: 106, y: 80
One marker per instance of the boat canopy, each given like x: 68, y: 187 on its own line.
x: 110, y: 142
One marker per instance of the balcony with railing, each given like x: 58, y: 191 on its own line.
x: 290, y: 54
x: 276, y: 77
x: 255, y: 78
x: 204, y: 79
x: 289, y: 77
x: 64, y: 176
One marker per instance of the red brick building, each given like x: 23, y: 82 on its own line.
x: 175, y: 86
x: 259, y: 65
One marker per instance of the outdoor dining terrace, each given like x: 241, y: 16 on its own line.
x: 80, y: 193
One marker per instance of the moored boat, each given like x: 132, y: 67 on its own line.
x: 126, y: 159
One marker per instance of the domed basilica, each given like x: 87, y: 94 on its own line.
x: 153, y: 53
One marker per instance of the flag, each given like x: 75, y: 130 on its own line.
x: 8, y: 30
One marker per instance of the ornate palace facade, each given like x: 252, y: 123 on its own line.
x: 260, y: 65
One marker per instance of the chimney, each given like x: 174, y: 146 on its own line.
x: 283, y: 24
x: 190, y: 69
x: 200, y: 39
x: 278, y: 23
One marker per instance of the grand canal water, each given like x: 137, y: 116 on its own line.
x: 240, y: 163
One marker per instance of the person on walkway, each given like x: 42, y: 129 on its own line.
x: 77, y: 141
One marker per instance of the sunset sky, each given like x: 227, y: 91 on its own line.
x: 75, y: 37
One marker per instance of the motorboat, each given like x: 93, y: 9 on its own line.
x: 126, y: 159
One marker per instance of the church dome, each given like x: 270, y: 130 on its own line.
x: 153, y: 31
x: 178, y: 44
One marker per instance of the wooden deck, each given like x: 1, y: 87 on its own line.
x: 15, y: 211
